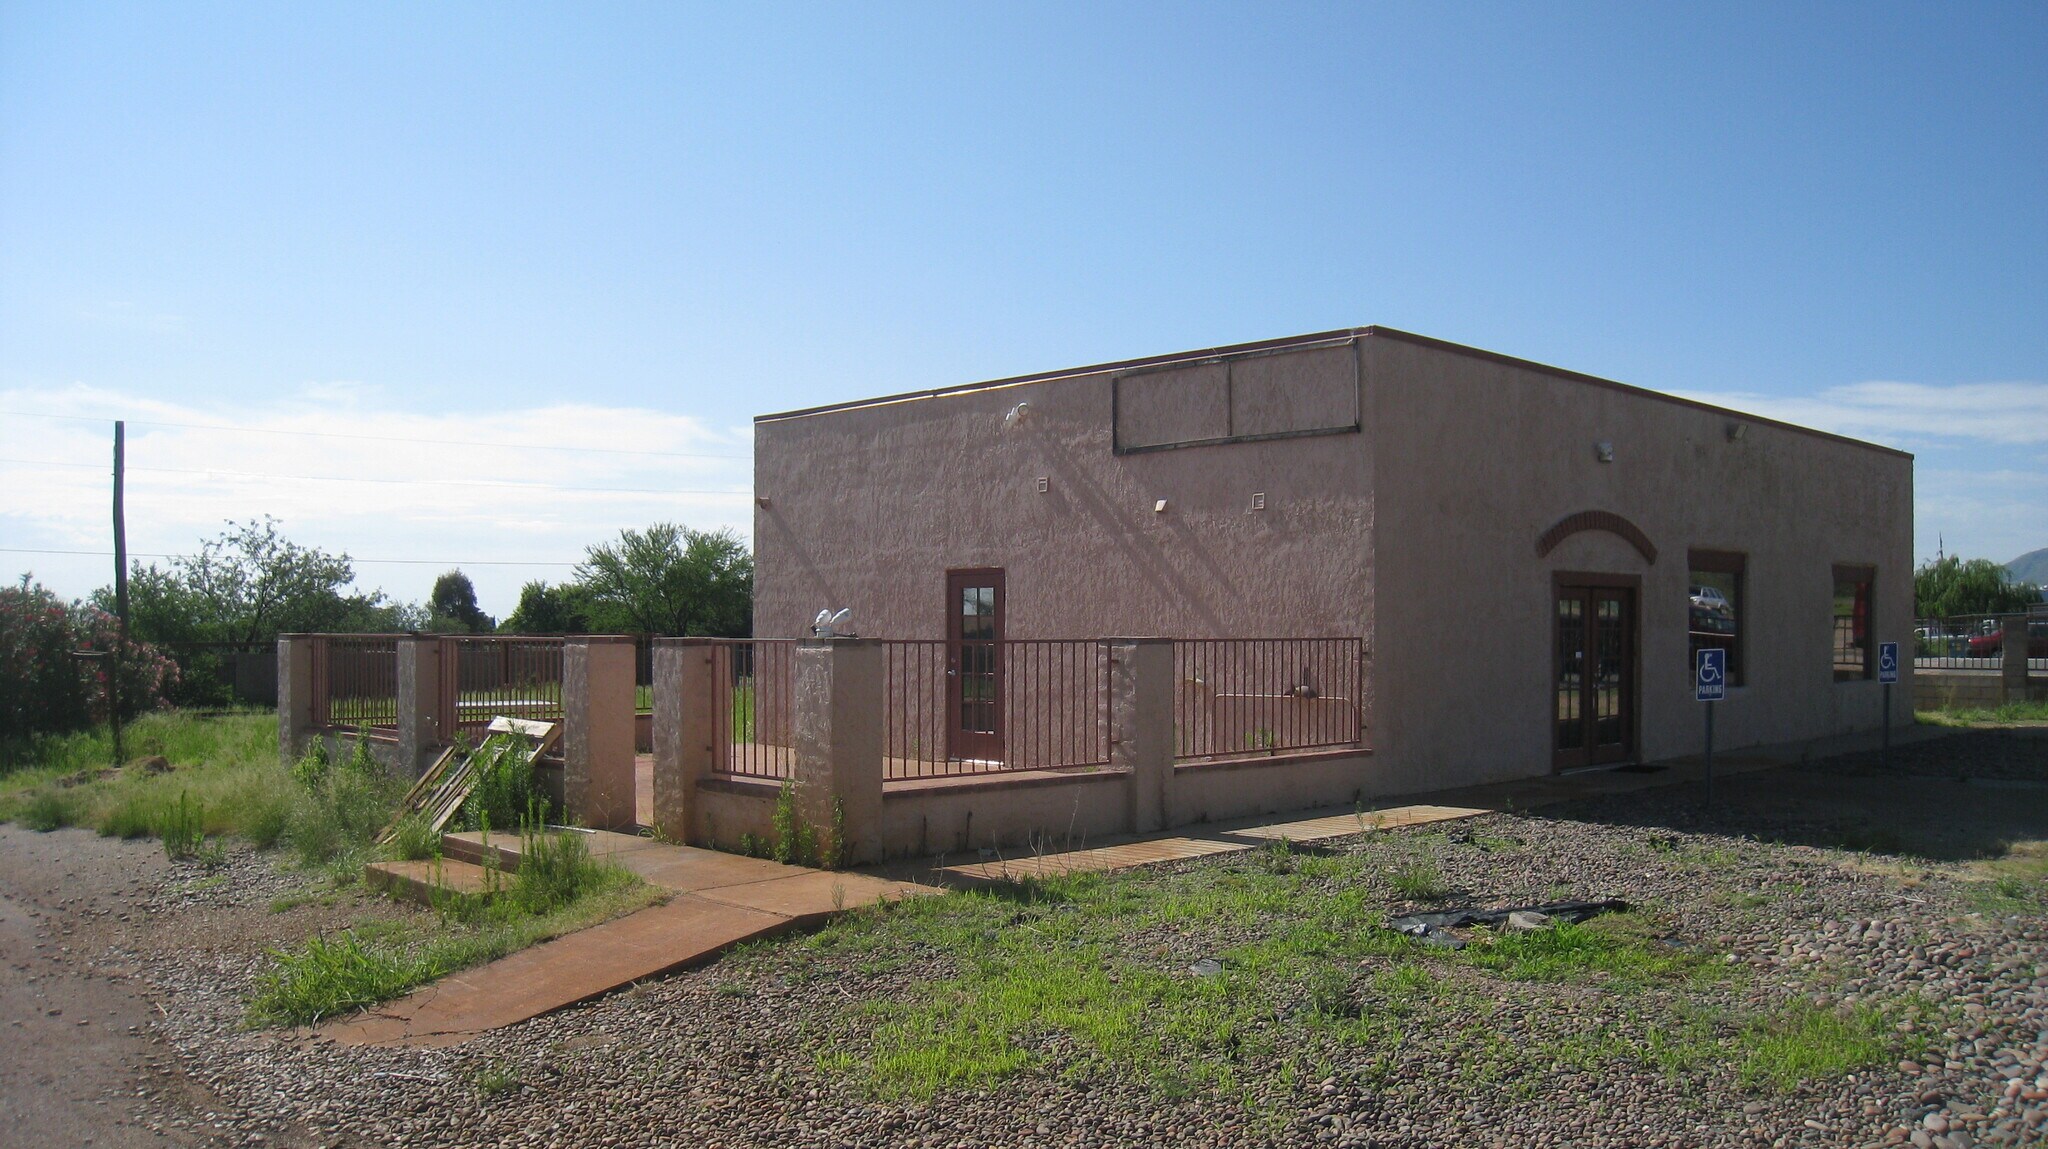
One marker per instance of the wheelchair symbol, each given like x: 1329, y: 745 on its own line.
x: 1710, y: 671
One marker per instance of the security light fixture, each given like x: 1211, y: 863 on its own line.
x: 1603, y: 451
x: 1735, y: 431
x: 1159, y: 508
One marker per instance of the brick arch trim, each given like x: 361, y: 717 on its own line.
x: 1607, y: 521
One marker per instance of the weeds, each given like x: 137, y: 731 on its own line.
x: 1419, y: 881
x: 183, y: 829
x: 495, y: 1078
x: 329, y: 977
x: 1801, y: 1042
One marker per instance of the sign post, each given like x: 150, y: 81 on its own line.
x: 1887, y: 673
x: 1710, y: 685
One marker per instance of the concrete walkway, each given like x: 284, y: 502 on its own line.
x: 718, y: 901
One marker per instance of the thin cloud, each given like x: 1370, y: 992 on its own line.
x: 2007, y: 414
x: 480, y: 487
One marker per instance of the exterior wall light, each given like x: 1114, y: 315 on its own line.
x: 1735, y: 431
x: 1159, y: 508
x: 761, y: 501
x: 1603, y: 451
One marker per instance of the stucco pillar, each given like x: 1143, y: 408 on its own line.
x: 2012, y: 647
x: 1141, y: 724
x: 419, y: 701
x: 838, y: 715
x: 597, y: 731
x: 294, y: 694
x: 686, y: 697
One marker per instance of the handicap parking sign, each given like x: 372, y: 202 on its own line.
x: 1710, y: 677
x: 1887, y: 662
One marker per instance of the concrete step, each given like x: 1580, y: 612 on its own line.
x: 427, y: 881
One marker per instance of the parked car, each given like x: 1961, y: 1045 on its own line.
x: 1710, y: 612
x: 1992, y: 645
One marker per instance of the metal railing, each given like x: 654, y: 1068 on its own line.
x: 485, y: 676
x: 1976, y: 642
x: 1262, y: 696
x: 753, y: 707
x: 1027, y: 704
x: 355, y: 680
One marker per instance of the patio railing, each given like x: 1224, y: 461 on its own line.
x: 1022, y: 704
x: 487, y: 676
x: 1239, y: 696
x: 752, y: 707
x: 355, y: 680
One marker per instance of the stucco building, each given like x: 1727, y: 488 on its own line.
x: 1525, y: 556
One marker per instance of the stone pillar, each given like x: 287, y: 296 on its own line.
x: 687, y: 695
x: 2012, y: 648
x: 419, y: 702
x: 294, y: 694
x: 1141, y: 724
x: 838, y: 715
x: 597, y: 731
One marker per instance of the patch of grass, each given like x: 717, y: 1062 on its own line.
x: 47, y: 810
x: 1617, y: 945
x: 1804, y: 1042
x: 182, y: 831
x: 325, y: 978
x: 381, y: 959
x: 2007, y: 714
x: 2016, y: 883
x: 227, y: 764
x: 495, y: 1078
x: 414, y: 840
x: 1418, y: 881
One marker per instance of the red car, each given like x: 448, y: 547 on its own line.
x: 1991, y: 645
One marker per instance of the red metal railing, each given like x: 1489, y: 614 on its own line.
x: 1251, y: 696
x: 355, y: 680
x: 1050, y: 711
x: 752, y: 707
x: 486, y: 676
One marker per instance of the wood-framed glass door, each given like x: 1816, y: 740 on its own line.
x: 1593, y: 695
x: 974, y: 665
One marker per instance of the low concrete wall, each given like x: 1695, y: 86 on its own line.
x: 1969, y: 689
x: 1216, y: 791
x: 1007, y: 812
x: 727, y: 809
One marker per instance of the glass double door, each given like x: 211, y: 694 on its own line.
x: 1594, y: 676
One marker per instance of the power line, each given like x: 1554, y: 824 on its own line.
x: 351, y: 558
x: 500, y: 484
x: 381, y: 438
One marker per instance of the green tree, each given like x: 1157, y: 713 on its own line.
x: 672, y: 580
x: 564, y: 608
x: 452, y: 606
x: 1952, y: 586
x: 251, y: 584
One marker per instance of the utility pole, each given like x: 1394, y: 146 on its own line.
x: 120, y: 592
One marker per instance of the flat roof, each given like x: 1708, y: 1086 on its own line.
x: 1322, y: 337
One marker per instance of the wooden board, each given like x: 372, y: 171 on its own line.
x: 448, y: 783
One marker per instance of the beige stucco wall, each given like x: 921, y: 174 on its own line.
x: 1418, y: 534
x: 1477, y: 458
x: 869, y: 507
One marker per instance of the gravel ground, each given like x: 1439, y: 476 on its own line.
x: 726, y: 1056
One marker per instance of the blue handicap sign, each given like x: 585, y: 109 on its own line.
x: 1887, y: 662
x: 1710, y: 675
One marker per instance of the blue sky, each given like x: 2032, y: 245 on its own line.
x: 507, y: 227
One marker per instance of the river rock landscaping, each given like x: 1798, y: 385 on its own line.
x: 1788, y: 973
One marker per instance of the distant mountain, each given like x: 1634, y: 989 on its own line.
x: 2030, y: 567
